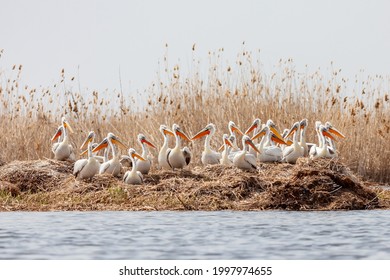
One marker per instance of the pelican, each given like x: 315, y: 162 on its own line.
x: 134, y: 177
x: 162, y: 156
x: 295, y: 151
x: 242, y: 159
x: 100, y: 159
x: 112, y: 166
x: 233, y: 128
x: 311, y: 145
x: 86, y: 168
x: 285, y: 139
x: 273, y: 129
x: 209, y: 156
x: 178, y: 157
x: 268, y: 153
x: 322, y: 150
x: 144, y: 165
x: 255, y: 127
x: 63, y: 150
x: 227, y: 147
x: 303, y: 143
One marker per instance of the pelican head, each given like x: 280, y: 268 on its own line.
x: 142, y: 140
x: 333, y: 130
x: 233, y: 128
x: 262, y: 132
x: 177, y: 131
x: 90, y: 138
x: 226, y: 140
x: 246, y: 140
x: 209, y: 129
x: 165, y: 130
x: 58, y: 133
x: 65, y: 124
x: 272, y: 127
x: 325, y: 131
x: 256, y: 123
x: 303, y: 123
x: 293, y: 129
x: 134, y: 154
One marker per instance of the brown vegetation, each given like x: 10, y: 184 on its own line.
x: 308, y: 185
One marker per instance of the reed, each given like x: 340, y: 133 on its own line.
x: 240, y: 91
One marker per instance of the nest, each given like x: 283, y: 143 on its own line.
x: 308, y: 185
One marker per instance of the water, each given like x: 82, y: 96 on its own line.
x: 195, y: 235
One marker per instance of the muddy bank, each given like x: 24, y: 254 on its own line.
x: 47, y: 185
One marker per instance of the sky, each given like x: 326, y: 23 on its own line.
x: 95, y: 40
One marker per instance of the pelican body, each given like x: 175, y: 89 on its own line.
x: 178, y: 157
x: 225, y: 154
x: 63, y: 150
x: 269, y: 153
x: 295, y: 151
x: 162, y: 155
x: 243, y: 159
x: 209, y: 156
x: 112, y: 166
x: 143, y: 166
x: 86, y: 168
x: 134, y: 177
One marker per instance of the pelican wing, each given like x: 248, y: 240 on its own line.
x: 78, y: 166
x: 251, y: 159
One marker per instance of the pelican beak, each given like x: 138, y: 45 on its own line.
x: 251, y: 128
x: 119, y: 143
x: 166, y: 131
x: 235, y: 128
x: 58, y: 134
x: 86, y: 141
x: 336, y: 132
x: 137, y: 156
x: 227, y: 142
x: 289, y: 142
x: 276, y: 132
x: 84, y: 152
x: 325, y: 133
x: 201, y: 133
x: 221, y: 148
x: 148, y: 143
x: 102, y: 145
x: 67, y: 125
x: 182, y: 135
x: 261, y: 133
x: 250, y: 143
x: 277, y: 139
x: 292, y: 131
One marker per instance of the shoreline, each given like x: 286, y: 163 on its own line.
x: 321, y: 185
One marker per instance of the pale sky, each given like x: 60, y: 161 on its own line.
x: 102, y: 36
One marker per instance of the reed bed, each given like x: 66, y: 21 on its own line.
x: 221, y: 91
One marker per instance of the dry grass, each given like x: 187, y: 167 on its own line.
x: 240, y: 91
x: 308, y: 185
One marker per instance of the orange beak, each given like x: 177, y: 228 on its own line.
x: 336, y: 132
x: 148, y: 143
x: 251, y: 128
x: 235, y: 128
x: 138, y: 156
x: 227, y: 142
x: 273, y: 129
x: 89, y: 139
x: 119, y: 143
x: 261, y: 133
x: 102, y: 145
x: 201, y: 133
x: 277, y: 140
x: 166, y: 131
x: 292, y: 131
x: 325, y: 133
x: 250, y: 143
x: 66, y: 125
x: 58, y: 134
x: 289, y: 142
x: 84, y: 152
x: 182, y: 135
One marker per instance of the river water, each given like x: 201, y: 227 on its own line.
x: 195, y: 235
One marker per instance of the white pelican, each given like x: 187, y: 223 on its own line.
x: 310, y: 145
x: 162, y: 156
x: 295, y: 151
x: 209, y: 156
x: 100, y: 159
x: 255, y: 127
x: 302, y: 141
x: 63, y: 150
x: 86, y: 168
x: 178, y: 157
x: 143, y: 166
x: 134, y: 177
x: 225, y: 154
x: 269, y: 153
x: 242, y: 159
x: 233, y: 128
x: 285, y: 139
x: 112, y: 166
x: 273, y: 129
x: 322, y: 150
